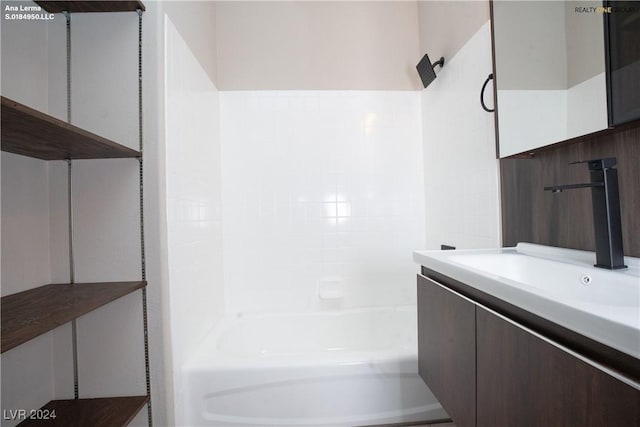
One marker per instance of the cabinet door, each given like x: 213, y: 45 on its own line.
x: 524, y: 380
x: 446, y: 349
x: 622, y: 31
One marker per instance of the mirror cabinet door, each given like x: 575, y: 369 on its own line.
x: 550, y: 72
x: 622, y: 40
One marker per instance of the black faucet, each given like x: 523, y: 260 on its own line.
x: 605, y: 199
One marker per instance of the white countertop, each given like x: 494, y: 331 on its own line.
x: 560, y: 285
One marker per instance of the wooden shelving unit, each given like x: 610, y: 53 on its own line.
x: 32, y: 133
x: 28, y: 314
x: 103, y: 412
x: 90, y: 6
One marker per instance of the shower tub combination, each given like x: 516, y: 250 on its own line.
x: 347, y: 368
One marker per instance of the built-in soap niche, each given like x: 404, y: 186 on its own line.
x: 331, y: 292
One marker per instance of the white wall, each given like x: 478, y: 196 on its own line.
x: 458, y: 20
x: 24, y: 63
x: 461, y: 171
x: 193, y: 201
x: 320, y: 186
x: 196, y: 22
x: 27, y: 370
x: 317, y: 45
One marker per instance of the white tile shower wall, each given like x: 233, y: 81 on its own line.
x: 320, y: 187
x: 461, y: 170
x: 193, y: 200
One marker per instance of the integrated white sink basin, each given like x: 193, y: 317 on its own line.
x: 560, y: 285
x: 562, y: 281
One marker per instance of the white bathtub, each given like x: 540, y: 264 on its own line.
x: 349, y: 368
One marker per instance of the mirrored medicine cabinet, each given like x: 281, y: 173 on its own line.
x: 550, y: 72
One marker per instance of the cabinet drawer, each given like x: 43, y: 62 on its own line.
x: 447, y: 349
x: 524, y: 380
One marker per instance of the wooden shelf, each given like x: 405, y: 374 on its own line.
x: 103, y: 412
x: 90, y: 6
x: 32, y: 133
x: 28, y: 314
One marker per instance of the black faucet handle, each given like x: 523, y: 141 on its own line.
x: 599, y: 164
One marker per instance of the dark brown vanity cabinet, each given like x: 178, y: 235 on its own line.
x: 489, y: 371
x: 447, y: 349
x: 524, y: 380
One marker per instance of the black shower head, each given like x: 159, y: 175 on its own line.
x: 425, y: 69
